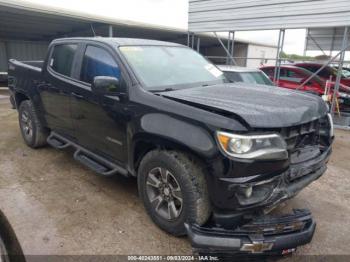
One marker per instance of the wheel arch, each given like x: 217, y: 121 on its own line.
x: 162, y: 131
x: 19, y: 98
x: 147, y: 142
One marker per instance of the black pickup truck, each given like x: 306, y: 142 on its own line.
x: 211, y: 158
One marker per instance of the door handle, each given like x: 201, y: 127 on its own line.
x: 77, y: 96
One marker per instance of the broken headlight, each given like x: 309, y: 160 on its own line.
x: 267, y: 146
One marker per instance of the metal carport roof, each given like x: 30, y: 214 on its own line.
x: 325, y: 39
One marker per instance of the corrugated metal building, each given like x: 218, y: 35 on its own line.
x: 26, y: 29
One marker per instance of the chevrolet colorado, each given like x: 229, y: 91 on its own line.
x: 211, y: 158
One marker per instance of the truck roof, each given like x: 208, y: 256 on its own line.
x: 119, y: 41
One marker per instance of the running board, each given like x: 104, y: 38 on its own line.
x: 57, y: 141
x: 93, y: 161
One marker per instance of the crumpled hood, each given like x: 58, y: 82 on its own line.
x: 260, y: 106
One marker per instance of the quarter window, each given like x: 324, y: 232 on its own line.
x: 98, y: 62
x: 62, y: 58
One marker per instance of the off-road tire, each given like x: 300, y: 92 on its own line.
x: 39, y: 133
x: 190, y: 176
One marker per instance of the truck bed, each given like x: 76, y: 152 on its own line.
x: 31, y: 65
x: 23, y: 76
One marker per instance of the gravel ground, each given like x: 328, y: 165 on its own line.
x: 57, y: 206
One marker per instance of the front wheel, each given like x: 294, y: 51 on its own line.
x: 173, y: 189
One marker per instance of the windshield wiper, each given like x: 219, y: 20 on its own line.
x: 163, y: 90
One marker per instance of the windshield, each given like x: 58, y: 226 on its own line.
x: 163, y: 67
x: 249, y: 77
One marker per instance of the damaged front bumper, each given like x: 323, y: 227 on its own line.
x: 267, y: 194
x: 247, y: 228
x: 265, y: 235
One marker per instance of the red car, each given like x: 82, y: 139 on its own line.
x: 326, y: 73
x: 292, y: 77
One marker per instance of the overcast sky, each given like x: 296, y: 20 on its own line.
x: 171, y: 13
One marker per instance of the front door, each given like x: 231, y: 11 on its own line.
x: 99, y: 121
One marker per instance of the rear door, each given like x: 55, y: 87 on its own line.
x: 100, y: 122
x: 56, y: 90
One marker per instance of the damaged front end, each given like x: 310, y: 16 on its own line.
x: 276, y: 235
x: 240, y: 223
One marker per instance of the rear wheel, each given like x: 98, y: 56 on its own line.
x: 173, y: 190
x: 34, y: 135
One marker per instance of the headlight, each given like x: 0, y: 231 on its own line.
x: 270, y: 146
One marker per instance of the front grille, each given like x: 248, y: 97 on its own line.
x: 302, y: 135
x: 312, y: 133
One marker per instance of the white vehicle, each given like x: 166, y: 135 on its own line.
x: 246, y: 75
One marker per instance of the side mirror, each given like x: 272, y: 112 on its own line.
x: 105, y: 85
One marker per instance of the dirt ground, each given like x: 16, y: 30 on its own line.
x: 57, y: 206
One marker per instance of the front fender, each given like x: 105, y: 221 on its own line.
x: 189, y: 135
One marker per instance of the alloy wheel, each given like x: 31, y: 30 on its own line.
x: 164, y: 193
x: 27, y: 124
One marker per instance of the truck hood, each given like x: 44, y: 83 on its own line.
x: 259, y: 106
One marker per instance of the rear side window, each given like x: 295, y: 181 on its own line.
x: 62, y: 58
x: 98, y: 62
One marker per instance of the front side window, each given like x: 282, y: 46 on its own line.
x: 163, y: 67
x: 62, y: 58
x: 98, y: 62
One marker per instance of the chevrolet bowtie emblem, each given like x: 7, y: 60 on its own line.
x: 257, y: 247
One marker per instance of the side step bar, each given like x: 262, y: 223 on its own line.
x: 97, y: 163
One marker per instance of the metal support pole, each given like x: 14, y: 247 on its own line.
x: 232, y: 43
x: 224, y: 47
x: 188, y: 38
x: 279, y: 56
x: 192, y: 44
x: 198, y: 44
x: 340, y: 68
x: 279, y: 49
x: 110, y: 31
x: 228, y: 48
x: 306, y: 41
x: 332, y: 44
